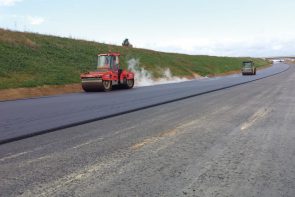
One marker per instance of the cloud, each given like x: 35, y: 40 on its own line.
x: 257, y: 46
x: 9, y: 2
x: 35, y: 20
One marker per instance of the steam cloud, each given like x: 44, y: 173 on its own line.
x: 145, y: 78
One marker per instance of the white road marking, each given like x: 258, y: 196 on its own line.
x: 14, y: 156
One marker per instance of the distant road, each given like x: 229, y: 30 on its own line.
x: 233, y: 142
x: 25, y: 118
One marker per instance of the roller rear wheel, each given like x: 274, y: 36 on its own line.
x: 130, y: 83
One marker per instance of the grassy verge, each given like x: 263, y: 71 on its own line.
x: 31, y: 60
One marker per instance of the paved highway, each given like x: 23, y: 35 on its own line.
x: 24, y: 118
x: 233, y: 142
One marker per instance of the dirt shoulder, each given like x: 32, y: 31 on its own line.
x: 21, y: 93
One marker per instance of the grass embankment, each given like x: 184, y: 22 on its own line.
x: 31, y: 60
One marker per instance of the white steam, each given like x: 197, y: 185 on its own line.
x: 145, y: 78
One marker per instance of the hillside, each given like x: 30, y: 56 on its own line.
x: 31, y: 60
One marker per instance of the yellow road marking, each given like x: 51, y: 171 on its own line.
x: 255, y: 117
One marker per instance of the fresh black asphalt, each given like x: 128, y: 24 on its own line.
x: 29, y: 117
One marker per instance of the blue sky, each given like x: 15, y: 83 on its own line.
x: 211, y: 27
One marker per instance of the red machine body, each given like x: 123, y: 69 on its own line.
x: 108, y: 74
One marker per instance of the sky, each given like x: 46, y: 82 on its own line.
x: 258, y: 28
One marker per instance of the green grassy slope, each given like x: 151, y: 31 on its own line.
x: 30, y: 60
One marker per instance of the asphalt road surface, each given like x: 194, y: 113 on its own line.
x: 24, y: 118
x: 233, y: 142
